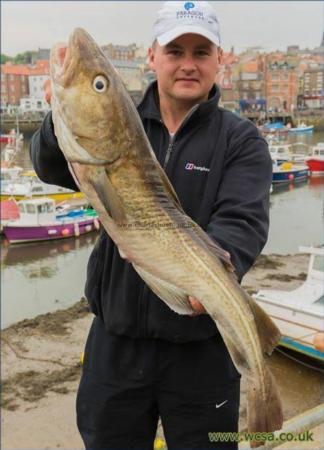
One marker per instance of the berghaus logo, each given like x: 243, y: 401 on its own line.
x: 191, y: 166
x: 188, y: 6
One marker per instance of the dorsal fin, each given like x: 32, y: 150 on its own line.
x: 214, y: 248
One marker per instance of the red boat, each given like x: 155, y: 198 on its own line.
x: 4, y: 138
x: 315, y: 160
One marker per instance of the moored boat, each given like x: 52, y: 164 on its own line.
x: 315, y: 160
x: 38, y: 221
x: 302, y: 128
x: 281, y: 153
x: 299, y: 314
x: 274, y: 129
x: 288, y: 172
x: 33, y: 187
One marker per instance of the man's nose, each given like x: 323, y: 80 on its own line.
x: 188, y: 64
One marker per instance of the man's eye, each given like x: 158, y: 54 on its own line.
x: 174, y: 52
x: 202, y: 53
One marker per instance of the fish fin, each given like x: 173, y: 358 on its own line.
x: 169, y: 188
x: 269, y: 333
x: 222, y: 254
x: 264, y: 412
x: 108, y: 196
x: 216, y: 249
x: 175, y: 298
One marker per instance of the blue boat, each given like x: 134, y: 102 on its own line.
x: 302, y: 128
x: 289, y: 173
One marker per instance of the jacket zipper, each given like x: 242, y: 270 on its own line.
x: 168, y: 152
x: 142, y: 322
x: 173, y: 138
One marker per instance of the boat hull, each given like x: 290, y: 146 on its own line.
x: 302, y: 130
x: 18, y: 234
x: 316, y: 166
x: 297, y: 327
x: 289, y: 176
x: 57, y: 197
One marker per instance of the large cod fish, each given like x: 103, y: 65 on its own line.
x: 110, y: 157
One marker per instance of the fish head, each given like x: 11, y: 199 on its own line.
x: 89, y: 99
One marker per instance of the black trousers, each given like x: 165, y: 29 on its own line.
x: 128, y: 383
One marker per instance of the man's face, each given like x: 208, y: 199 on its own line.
x: 185, y: 68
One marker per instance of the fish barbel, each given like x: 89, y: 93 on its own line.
x: 110, y: 157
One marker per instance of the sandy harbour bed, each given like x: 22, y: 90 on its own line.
x: 40, y: 369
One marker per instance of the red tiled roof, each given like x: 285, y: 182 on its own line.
x: 41, y: 67
x: 15, y: 69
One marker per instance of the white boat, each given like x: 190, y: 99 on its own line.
x: 33, y: 187
x: 9, y: 174
x: 299, y: 314
x: 38, y: 221
x: 302, y: 128
x: 284, y: 152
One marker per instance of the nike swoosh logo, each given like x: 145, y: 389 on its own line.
x: 221, y: 404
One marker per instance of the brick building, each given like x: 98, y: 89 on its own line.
x: 313, y: 86
x: 250, y: 84
x: 281, y: 83
x: 224, y: 79
x: 14, y: 83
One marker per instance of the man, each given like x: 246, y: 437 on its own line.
x: 142, y: 360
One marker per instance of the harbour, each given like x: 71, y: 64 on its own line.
x: 49, y: 232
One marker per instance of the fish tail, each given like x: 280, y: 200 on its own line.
x: 264, y: 412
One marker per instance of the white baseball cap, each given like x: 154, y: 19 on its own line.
x: 178, y: 18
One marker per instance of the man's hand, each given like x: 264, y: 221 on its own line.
x: 196, y: 306
x: 48, y: 91
x: 47, y: 84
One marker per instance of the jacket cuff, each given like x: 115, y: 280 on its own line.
x: 48, y: 133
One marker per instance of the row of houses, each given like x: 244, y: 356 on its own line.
x: 278, y: 81
x: 23, y: 85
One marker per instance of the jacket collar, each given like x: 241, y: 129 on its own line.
x: 149, y: 106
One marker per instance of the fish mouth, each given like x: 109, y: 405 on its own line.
x: 65, y: 57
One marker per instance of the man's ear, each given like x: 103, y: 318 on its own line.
x: 220, y: 55
x: 151, y: 58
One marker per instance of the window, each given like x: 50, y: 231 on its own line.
x: 30, y: 209
x: 320, y: 301
x: 49, y: 207
x: 318, y: 263
x: 41, y: 208
x: 21, y: 207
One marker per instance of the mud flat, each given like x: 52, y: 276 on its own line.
x: 40, y: 365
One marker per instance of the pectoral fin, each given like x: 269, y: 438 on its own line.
x: 108, y: 196
x: 176, y: 299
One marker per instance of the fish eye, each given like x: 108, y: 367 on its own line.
x: 100, y: 84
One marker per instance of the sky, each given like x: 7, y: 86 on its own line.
x: 271, y: 25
